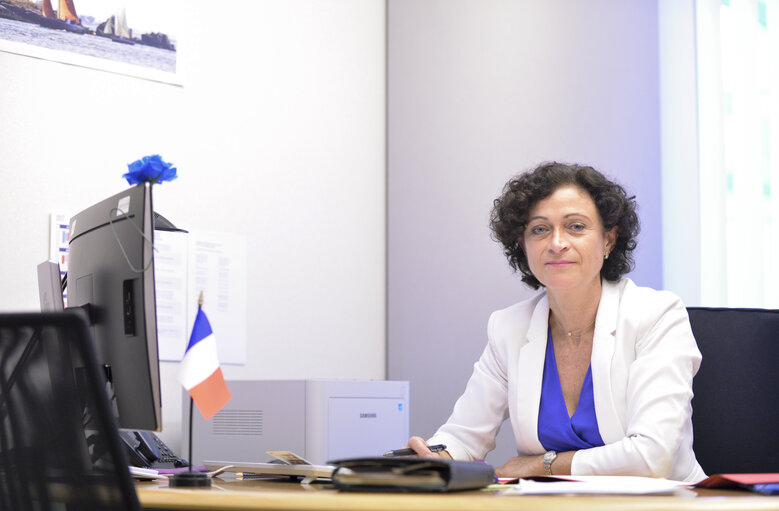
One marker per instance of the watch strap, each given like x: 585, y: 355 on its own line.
x: 549, y: 457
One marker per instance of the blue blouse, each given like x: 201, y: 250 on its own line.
x: 556, y: 430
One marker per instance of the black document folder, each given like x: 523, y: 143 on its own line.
x: 410, y: 474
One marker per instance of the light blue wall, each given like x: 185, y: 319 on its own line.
x: 479, y: 91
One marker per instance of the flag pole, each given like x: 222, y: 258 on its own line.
x: 191, y: 478
x: 191, y: 405
x: 192, y: 401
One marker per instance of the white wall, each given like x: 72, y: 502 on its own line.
x: 278, y: 133
x: 480, y: 90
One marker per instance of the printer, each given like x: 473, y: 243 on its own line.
x: 318, y: 419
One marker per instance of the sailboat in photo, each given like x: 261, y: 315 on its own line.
x: 65, y: 18
x: 116, y: 28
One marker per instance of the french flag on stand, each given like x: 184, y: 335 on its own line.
x: 200, y: 372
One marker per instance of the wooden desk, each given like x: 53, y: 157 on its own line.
x: 231, y: 494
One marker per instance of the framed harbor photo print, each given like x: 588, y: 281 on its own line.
x: 130, y: 37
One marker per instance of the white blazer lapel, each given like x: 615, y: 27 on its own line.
x: 603, y: 346
x: 530, y: 371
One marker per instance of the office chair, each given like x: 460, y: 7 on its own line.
x: 59, y: 442
x: 735, y: 410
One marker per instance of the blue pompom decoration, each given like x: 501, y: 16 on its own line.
x: 150, y: 169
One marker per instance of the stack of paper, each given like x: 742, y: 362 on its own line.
x: 615, y: 485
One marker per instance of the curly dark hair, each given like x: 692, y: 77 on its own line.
x: 510, y: 214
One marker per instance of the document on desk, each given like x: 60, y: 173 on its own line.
x: 307, y: 472
x: 767, y: 483
x: 288, y: 457
x: 581, y: 485
x: 290, y: 464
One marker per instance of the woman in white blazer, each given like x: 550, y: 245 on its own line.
x: 594, y: 372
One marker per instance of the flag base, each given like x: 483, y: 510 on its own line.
x: 190, y: 479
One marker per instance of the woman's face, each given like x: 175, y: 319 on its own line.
x: 565, y: 241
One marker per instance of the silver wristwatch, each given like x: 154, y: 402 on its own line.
x: 549, y: 457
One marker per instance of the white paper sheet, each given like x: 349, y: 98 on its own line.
x: 217, y: 267
x: 59, y: 237
x: 170, y: 280
x: 614, y: 485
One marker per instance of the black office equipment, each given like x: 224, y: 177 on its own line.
x: 147, y: 450
x: 144, y: 449
x: 59, y: 443
x: 128, y: 360
x: 111, y: 271
x: 735, y: 410
x: 410, y: 474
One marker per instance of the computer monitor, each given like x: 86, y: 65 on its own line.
x: 111, y: 274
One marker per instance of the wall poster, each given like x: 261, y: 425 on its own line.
x: 130, y: 37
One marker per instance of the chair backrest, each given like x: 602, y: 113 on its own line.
x: 735, y: 411
x: 59, y: 442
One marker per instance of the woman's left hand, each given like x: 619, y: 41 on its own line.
x: 529, y: 466
x: 521, y: 466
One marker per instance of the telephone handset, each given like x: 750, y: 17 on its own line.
x: 146, y: 450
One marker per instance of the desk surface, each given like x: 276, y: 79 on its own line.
x: 231, y: 494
